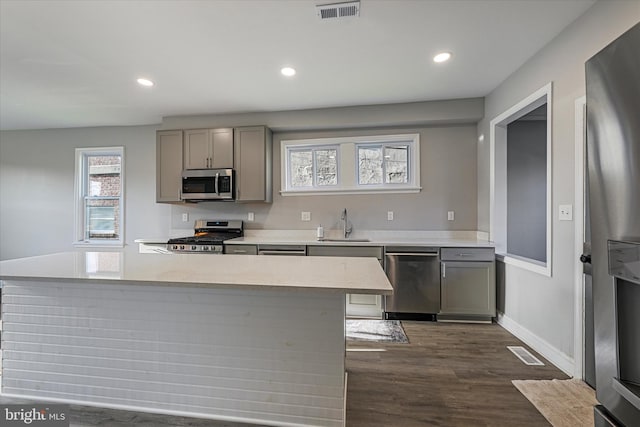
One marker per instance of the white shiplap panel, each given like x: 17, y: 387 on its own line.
x: 266, y: 355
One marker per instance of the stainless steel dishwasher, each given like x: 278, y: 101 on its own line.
x: 414, y: 273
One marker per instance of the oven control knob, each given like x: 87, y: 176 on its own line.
x: 205, y: 248
x: 194, y: 247
x: 182, y: 247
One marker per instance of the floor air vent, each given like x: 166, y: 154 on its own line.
x: 338, y: 10
x: 524, y: 355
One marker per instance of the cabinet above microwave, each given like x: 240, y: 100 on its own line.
x: 247, y: 150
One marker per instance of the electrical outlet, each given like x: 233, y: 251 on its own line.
x: 305, y: 216
x: 451, y: 215
x: 251, y: 216
x: 390, y: 216
x: 565, y: 212
x: 185, y: 217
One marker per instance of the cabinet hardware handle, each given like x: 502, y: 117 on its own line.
x: 465, y: 254
x: 444, y: 270
x: 431, y: 254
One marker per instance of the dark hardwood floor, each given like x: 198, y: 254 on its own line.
x: 448, y: 375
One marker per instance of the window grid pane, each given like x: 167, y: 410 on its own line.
x: 102, y: 218
x: 326, y: 161
x: 396, y: 164
x: 370, y: 165
x: 301, y: 168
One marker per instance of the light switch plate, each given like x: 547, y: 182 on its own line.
x: 251, y: 216
x: 390, y: 216
x: 450, y: 215
x: 565, y: 212
x: 185, y: 217
x: 305, y: 216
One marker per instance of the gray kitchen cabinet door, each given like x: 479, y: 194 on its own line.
x: 196, y: 149
x: 168, y: 166
x: 208, y: 148
x: 357, y: 305
x: 468, y: 288
x: 221, y: 148
x: 252, y: 151
x: 241, y: 249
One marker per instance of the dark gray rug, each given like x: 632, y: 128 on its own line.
x: 375, y: 330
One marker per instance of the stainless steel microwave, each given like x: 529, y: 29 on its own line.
x: 208, y: 184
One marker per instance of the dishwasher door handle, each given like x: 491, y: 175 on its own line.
x: 426, y: 254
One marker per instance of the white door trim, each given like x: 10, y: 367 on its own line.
x: 579, y: 214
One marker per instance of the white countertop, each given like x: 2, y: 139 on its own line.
x: 344, y: 275
x: 374, y: 237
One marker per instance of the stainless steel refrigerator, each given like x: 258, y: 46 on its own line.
x: 613, y: 158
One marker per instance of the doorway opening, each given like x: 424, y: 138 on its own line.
x: 520, y: 188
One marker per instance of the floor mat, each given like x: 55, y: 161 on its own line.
x: 375, y: 330
x: 564, y: 403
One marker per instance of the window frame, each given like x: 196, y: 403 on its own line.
x: 347, y: 163
x: 81, y: 188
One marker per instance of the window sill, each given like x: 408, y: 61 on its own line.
x: 525, y: 263
x: 403, y: 190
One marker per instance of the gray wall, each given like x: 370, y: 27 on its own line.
x: 542, y: 305
x: 37, y: 186
x: 447, y: 175
x: 527, y: 189
x: 37, y: 176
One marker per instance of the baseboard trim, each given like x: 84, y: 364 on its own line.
x: 546, y: 350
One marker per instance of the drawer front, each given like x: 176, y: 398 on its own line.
x: 241, y: 249
x: 467, y: 254
x: 346, y: 251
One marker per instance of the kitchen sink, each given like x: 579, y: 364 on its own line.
x: 345, y: 240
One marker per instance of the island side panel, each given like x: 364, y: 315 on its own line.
x: 270, y: 357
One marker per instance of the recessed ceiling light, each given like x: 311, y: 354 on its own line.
x: 442, y: 57
x: 288, y: 71
x: 145, y: 82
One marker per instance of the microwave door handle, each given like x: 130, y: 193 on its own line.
x: 217, y: 185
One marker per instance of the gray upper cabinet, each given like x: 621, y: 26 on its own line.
x: 252, y: 151
x: 208, y: 148
x: 168, y: 165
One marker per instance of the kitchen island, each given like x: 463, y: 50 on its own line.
x: 239, y: 338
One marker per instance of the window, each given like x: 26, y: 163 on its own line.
x: 313, y: 167
x: 99, y: 196
x: 383, y: 163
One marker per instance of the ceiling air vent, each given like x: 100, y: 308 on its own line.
x: 338, y: 10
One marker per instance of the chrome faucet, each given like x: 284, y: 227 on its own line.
x: 345, y: 225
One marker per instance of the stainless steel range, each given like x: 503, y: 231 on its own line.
x: 208, y: 237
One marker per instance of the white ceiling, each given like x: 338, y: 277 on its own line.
x: 75, y: 63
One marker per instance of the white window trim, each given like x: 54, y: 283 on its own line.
x: 498, y: 181
x: 348, y: 170
x: 79, y: 239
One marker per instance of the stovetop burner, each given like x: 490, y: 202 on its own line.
x: 209, y: 236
